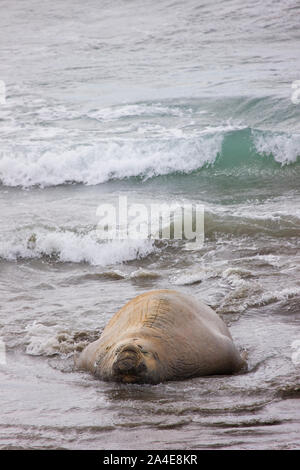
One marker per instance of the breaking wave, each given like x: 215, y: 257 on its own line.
x: 220, y: 150
x: 68, y: 246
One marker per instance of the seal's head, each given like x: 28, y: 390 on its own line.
x: 135, y: 361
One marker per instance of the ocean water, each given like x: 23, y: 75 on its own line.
x: 161, y: 102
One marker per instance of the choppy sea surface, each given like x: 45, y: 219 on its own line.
x: 162, y: 102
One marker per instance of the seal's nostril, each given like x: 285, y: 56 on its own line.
x: 125, y: 365
x: 126, y: 360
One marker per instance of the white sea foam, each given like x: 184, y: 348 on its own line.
x: 48, y: 340
x: 284, y: 148
x: 130, y: 110
x: 108, y: 159
x: 170, y: 151
x: 279, y: 295
x: 67, y: 246
x: 2, y: 352
x: 188, y: 279
x: 295, y: 346
x: 257, y: 298
x: 42, y: 339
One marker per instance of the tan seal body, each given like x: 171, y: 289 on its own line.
x: 162, y: 335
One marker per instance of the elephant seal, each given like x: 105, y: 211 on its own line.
x: 158, y: 336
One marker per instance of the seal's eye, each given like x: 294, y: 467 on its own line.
x: 118, y: 350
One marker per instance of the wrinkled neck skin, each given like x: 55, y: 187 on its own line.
x: 133, y: 359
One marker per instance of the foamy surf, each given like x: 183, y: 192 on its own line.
x: 44, y: 340
x: 295, y: 346
x: 150, y: 110
x: 66, y: 246
x: 284, y: 148
x: 106, y: 160
x: 226, y: 150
